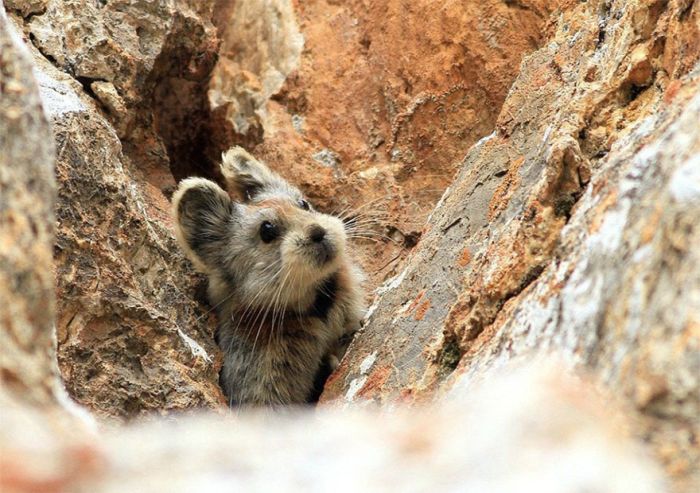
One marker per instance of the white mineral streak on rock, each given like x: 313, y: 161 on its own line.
x: 355, y: 386
x: 194, y: 347
x: 388, y: 285
x: 357, y: 383
x: 368, y: 362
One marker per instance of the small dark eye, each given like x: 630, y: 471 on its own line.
x: 304, y: 204
x: 268, y: 232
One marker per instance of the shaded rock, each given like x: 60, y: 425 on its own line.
x: 27, y: 7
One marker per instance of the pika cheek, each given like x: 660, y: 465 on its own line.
x: 289, y: 248
x: 336, y: 227
x: 337, y: 237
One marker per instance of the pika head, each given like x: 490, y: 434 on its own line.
x: 275, y: 266
x: 270, y: 240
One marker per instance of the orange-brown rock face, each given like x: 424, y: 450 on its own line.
x: 382, y: 103
x: 567, y: 231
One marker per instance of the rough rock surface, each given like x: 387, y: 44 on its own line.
x: 378, y: 108
x: 568, y: 230
x: 132, y: 335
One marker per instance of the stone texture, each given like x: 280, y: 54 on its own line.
x: 133, y: 335
x: 379, y: 107
x: 147, y: 63
x: 567, y: 230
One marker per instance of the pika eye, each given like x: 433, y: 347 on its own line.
x: 268, y: 232
x: 304, y: 204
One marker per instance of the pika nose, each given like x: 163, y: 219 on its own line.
x: 317, y: 233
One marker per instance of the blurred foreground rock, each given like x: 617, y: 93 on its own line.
x: 27, y: 198
x: 555, y: 435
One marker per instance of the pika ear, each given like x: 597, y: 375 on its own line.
x: 203, y: 213
x: 248, y: 176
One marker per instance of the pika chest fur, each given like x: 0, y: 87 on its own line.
x: 287, y: 294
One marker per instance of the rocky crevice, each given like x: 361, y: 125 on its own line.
x: 164, y: 88
x: 565, y: 194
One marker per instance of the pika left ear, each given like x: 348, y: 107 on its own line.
x: 203, y: 214
x: 247, y: 175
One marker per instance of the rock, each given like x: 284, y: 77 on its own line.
x: 27, y: 198
x: 133, y: 335
x: 565, y: 232
x: 107, y: 94
x: 556, y: 435
x: 27, y: 7
x: 157, y: 57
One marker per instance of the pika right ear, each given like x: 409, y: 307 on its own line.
x: 247, y: 175
x: 202, y: 213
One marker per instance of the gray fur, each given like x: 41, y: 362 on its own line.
x: 283, y: 306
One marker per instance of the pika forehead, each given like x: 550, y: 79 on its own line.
x: 285, y: 208
x: 277, y: 204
